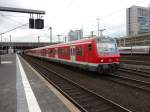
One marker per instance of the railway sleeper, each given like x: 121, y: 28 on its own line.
x: 91, y: 104
x: 74, y: 94
x: 72, y: 90
x: 68, y: 88
x: 89, y: 99
x: 99, y: 107
x: 81, y: 96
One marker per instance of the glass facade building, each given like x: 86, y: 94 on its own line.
x: 138, y: 20
x: 75, y: 35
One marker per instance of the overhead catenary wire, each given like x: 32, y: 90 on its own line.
x: 107, y: 16
x: 102, y: 18
x: 13, y: 29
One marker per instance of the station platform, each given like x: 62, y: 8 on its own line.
x: 22, y: 89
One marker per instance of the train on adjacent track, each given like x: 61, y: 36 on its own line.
x: 94, y: 54
x: 135, y: 50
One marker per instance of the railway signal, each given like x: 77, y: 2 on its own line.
x: 33, y: 23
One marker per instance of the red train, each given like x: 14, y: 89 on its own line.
x: 94, y: 54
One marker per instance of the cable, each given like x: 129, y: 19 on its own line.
x: 15, y: 21
x: 14, y: 29
x: 119, y: 10
x: 113, y: 13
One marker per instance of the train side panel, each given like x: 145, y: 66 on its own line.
x: 82, y: 53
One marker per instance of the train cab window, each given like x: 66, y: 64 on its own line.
x: 79, y: 51
x: 90, y: 47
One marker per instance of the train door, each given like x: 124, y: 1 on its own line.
x: 56, y: 52
x: 90, y: 53
x: 72, y: 52
x: 47, y: 53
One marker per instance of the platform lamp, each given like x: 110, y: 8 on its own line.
x: 98, y: 19
x: 101, y: 30
x: 59, y: 37
x: 50, y: 28
x: 1, y: 50
x: 38, y: 41
x: 92, y: 33
x: 65, y: 38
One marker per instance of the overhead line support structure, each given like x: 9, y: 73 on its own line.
x: 20, y: 10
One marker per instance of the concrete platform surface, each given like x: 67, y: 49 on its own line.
x: 22, y: 89
x: 8, y: 94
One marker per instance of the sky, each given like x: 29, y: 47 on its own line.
x: 64, y: 15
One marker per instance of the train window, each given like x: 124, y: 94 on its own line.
x: 73, y: 51
x: 47, y: 51
x: 50, y: 51
x: 60, y: 51
x: 68, y: 51
x: 55, y: 52
x: 90, y: 47
x: 79, y: 51
x: 65, y: 51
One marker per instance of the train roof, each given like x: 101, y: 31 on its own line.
x: 84, y: 40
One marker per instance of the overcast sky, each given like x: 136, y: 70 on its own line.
x: 64, y: 15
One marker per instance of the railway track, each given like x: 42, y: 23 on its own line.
x: 135, y: 71
x: 136, y: 59
x: 82, y: 97
x: 130, y: 82
x: 136, y: 62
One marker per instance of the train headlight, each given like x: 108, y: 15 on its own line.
x: 102, y: 60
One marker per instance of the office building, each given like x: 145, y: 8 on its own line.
x: 138, y: 20
x: 75, y: 35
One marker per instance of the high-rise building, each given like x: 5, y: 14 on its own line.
x: 138, y: 20
x: 75, y: 35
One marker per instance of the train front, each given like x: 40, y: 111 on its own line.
x: 108, y: 55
